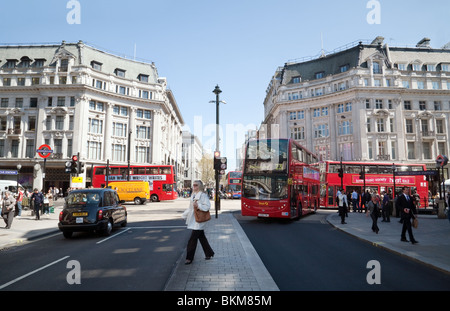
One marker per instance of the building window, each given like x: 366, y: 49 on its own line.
x: 70, y: 123
x: 30, y: 151
x: 143, y: 78
x: 19, y: 103
x: 118, y: 152
x: 402, y: 67
x: 378, y: 104
x: 407, y: 105
x: 340, y: 108
x: 143, y: 154
x: 411, y: 152
x: 409, y: 126
x: 301, y: 115
x: 33, y: 102
x: 344, y: 68
x: 437, y: 106
x: 426, y: 147
x: 431, y: 67
x: 405, y: 84
x: 441, y: 148
x: 435, y: 85
x: 369, y: 149
x: 48, y: 123
x: 422, y: 105
x: 369, y: 129
x: 2, y: 148
x: 95, y: 126
x: 61, y: 102
x: 345, y: 128
x: 320, y: 75
x: 119, y: 129
x: 96, y: 65
x: 391, y: 124
x: 120, y: 73
x: 440, y: 126
x: 58, y: 145
x: 393, y: 150
x: 31, y: 123
x: 4, y: 103
x: 15, y: 148
x: 143, y: 132
x: 367, y: 103
x: 321, y: 130
x: 298, y: 133
x: 417, y: 67
x: 380, y: 125
x: 420, y: 85
x: 69, y: 147
x: 296, y: 79
x: 94, y: 150
x: 59, y: 123
x: 376, y: 68
x: 381, y: 148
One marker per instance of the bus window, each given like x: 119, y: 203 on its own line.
x: 139, y: 170
x: 167, y: 187
x: 152, y: 170
x: 114, y: 171
x: 100, y: 171
x: 165, y: 170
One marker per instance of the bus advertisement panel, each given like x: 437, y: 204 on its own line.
x: 280, y: 179
x: 377, y: 178
x: 161, y: 178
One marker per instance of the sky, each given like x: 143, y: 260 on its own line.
x: 237, y: 45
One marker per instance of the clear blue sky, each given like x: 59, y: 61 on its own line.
x: 238, y: 45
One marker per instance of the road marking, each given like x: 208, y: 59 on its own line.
x: 158, y: 227
x: 112, y: 236
x: 32, y: 272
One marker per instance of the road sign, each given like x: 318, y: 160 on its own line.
x: 44, y: 151
x: 441, y: 161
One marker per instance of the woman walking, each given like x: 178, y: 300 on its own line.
x: 374, y: 209
x: 198, y: 199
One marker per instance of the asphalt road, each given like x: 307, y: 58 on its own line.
x: 310, y: 255
x: 139, y: 257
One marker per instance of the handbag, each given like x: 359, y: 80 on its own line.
x: 201, y: 216
x: 415, y: 223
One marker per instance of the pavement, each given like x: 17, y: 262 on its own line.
x: 236, y: 265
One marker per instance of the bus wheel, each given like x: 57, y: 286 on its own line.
x: 154, y: 198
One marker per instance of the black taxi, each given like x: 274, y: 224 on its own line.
x: 97, y: 209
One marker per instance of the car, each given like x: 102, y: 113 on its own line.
x: 96, y: 210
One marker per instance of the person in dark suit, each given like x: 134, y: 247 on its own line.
x: 408, y: 211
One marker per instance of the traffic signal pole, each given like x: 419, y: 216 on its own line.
x: 217, y: 91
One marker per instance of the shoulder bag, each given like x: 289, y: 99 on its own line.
x: 201, y: 216
x: 415, y: 222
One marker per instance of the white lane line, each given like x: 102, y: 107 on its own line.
x: 112, y: 236
x: 32, y: 272
x: 159, y: 227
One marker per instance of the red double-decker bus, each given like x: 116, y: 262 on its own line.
x: 234, y: 184
x: 378, y: 178
x: 160, y: 177
x: 280, y: 179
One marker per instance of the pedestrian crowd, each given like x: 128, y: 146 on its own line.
x: 381, y: 206
x: 12, y: 204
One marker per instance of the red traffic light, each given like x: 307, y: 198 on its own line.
x: 74, y: 158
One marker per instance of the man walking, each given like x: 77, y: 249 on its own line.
x: 38, y: 199
x: 407, y: 210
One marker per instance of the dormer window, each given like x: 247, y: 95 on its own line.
x: 344, y: 68
x: 297, y: 79
x: 96, y: 65
x: 143, y: 78
x: 11, y: 63
x: 320, y: 75
x: 25, y: 62
x: 120, y: 72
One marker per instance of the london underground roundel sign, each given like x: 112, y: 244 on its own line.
x: 44, y: 151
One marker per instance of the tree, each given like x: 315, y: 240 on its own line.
x: 206, y: 168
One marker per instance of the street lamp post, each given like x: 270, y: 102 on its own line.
x: 217, y: 91
x: 18, y: 172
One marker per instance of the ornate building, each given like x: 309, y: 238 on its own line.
x: 79, y: 99
x: 365, y: 102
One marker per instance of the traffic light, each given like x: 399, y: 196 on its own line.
x: 68, y: 167
x: 361, y: 175
x: 217, y: 160
x: 74, y: 165
x: 341, y: 172
x: 223, y: 166
x: 80, y: 167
